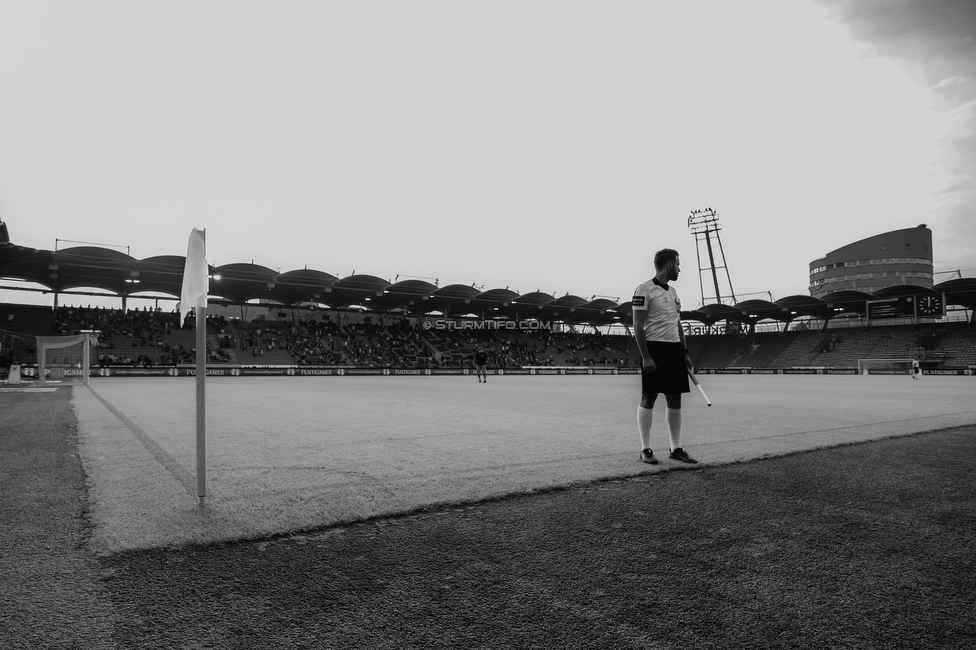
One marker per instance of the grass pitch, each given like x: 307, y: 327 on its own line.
x: 862, y: 546
x: 305, y: 453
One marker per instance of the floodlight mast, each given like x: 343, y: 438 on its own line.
x: 704, y: 223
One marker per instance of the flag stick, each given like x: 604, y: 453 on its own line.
x: 201, y: 313
x: 193, y: 296
x: 701, y: 390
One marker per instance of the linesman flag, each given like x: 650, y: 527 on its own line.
x: 196, y: 281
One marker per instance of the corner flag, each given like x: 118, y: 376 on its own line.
x: 194, y: 296
x: 195, y: 278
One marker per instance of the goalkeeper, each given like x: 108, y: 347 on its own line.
x: 664, y: 353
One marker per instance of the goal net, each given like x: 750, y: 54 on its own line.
x: 887, y: 367
x: 64, y: 358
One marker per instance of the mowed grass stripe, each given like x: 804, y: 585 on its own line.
x: 300, y: 453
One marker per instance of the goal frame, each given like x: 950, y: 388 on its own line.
x: 888, y: 366
x: 46, y: 343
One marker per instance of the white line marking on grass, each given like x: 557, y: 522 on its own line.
x: 180, y: 473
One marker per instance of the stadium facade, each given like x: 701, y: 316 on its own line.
x: 892, y: 258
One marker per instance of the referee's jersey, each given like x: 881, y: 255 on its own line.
x: 662, y: 309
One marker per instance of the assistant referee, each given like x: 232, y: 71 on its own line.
x: 664, y: 353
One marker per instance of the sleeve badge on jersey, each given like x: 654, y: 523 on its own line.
x: 638, y: 301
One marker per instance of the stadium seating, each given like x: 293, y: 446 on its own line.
x: 148, y: 337
x: 22, y: 324
x: 957, y: 347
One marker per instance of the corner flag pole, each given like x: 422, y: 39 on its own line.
x: 701, y: 391
x: 201, y: 403
x: 196, y: 282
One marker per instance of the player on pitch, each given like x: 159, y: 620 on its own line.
x: 480, y: 363
x: 661, y: 341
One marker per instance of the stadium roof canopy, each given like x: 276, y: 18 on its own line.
x: 961, y: 292
x: 118, y: 274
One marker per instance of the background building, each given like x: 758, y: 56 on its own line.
x: 896, y: 257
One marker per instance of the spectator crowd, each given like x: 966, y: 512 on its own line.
x: 150, y: 337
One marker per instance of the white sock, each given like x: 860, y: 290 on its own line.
x: 644, y: 419
x: 674, y: 427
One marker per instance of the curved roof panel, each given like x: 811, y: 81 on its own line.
x: 358, y: 289
x: 301, y: 285
x: 757, y: 310
x: 535, y: 298
x: 240, y: 283
x: 896, y: 290
x: 90, y: 266
x: 453, y: 295
x: 406, y: 295
x: 559, y: 309
x: 569, y: 300
x: 959, y: 291
x: 847, y: 301
x: 806, y: 306
x: 602, y: 311
x: 713, y: 313
x: 601, y: 304
x: 27, y: 264
x: 529, y: 305
x: 161, y: 274
x: 490, y: 301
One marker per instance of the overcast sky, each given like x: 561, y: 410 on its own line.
x: 535, y: 145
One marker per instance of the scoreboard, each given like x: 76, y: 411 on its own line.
x: 916, y: 306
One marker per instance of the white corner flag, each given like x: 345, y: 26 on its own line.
x: 196, y: 283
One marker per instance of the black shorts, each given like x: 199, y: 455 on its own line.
x: 671, y: 375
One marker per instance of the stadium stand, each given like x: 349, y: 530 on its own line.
x: 957, y: 346
x: 801, y: 350
x: 19, y: 327
x: 717, y: 351
x: 153, y: 337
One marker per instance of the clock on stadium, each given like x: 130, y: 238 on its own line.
x: 932, y: 306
